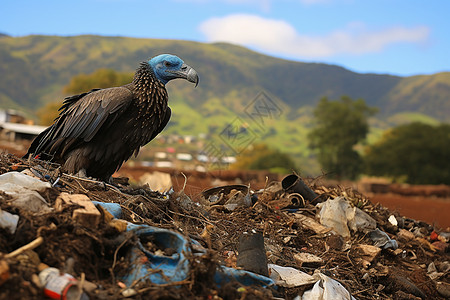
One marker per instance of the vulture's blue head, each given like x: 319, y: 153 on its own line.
x: 167, y: 67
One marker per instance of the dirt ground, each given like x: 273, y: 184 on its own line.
x: 430, y: 209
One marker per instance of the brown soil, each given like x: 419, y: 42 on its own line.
x: 430, y: 209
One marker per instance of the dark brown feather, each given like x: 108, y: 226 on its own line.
x: 99, y: 130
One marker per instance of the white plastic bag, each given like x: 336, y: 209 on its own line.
x: 15, y: 183
x: 8, y: 221
x: 341, y: 216
x: 289, y: 277
x: 327, y: 289
x: 23, y: 190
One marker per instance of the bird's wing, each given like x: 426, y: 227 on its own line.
x: 82, y: 116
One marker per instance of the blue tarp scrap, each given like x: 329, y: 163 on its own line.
x: 168, y: 269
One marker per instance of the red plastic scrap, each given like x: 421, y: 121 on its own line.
x: 434, y: 236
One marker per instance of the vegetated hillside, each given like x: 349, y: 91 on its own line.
x: 425, y: 94
x: 35, y: 68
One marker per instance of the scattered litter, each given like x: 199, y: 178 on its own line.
x: 307, y: 260
x: 327, y: 288
x: 294, y: 184
x: 382, y: 240
x: 16, y: 183
x: 311, y: 224
x: 338, y: 214
x: 167, y: 251
x: 59, y: 285
x: 228, y: 197
x: 289, y: 277
x: 393, y: 220
x: 23, y: 191
x: 367, y: 253
x: 8, y: 221
x: 227, y: 242
x: 405, y: 235
x: 157, y: 181
x: 444, y: 236
x: 252, y: 255
x: 87, y: 215
x: 432, y: 271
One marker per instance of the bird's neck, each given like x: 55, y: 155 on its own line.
x: 145, y: 80
x: 149, y: 89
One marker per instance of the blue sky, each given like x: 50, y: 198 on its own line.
x: 403, y: 37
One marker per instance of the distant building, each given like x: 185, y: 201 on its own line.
x: 161, y: 155
x: 229, y: 159
x: 15, y: 126
x: 184, y: 156
x: 202, y: 158
x: 189, y: 139
x: 164, y: 164
x: 13, y: 116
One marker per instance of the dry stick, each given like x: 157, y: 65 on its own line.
x: 80, y: 285
x: 82, y: 187
x: 144, y: 220
x: 185, y: 181
x: 362, y: 291
x: 93, y: 181
x: 73, y: 186
x: 186, y: 281
x: 348, y: 257
x: 265, y: 184
x: 29, y: 246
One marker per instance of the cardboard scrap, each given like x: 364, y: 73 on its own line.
x: 310, y: 223
x: 309, y: 259
x: 88, y: 215
x: 368, y: 252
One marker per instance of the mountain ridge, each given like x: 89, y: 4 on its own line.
x: 35, y: 68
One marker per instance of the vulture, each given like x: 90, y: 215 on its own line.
x: 97, y: 131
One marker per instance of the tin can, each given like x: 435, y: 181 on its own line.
x: 59, y: 285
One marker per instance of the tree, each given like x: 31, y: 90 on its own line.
x: 48, y: 113
x: 338, y: 127
x: 417, y: 153
x: 262, y: 157
x: 102, y: 78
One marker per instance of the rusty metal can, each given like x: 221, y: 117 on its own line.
x: 59, y: 285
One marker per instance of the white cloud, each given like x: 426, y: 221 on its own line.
x: 278, y: 36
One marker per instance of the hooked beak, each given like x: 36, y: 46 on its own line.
x: 187, y: 73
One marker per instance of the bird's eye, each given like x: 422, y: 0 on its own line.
x: 167, y: 64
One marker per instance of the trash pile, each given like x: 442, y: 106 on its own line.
x: 63, y: 237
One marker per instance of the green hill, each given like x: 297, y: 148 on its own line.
x: 34, y: 70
